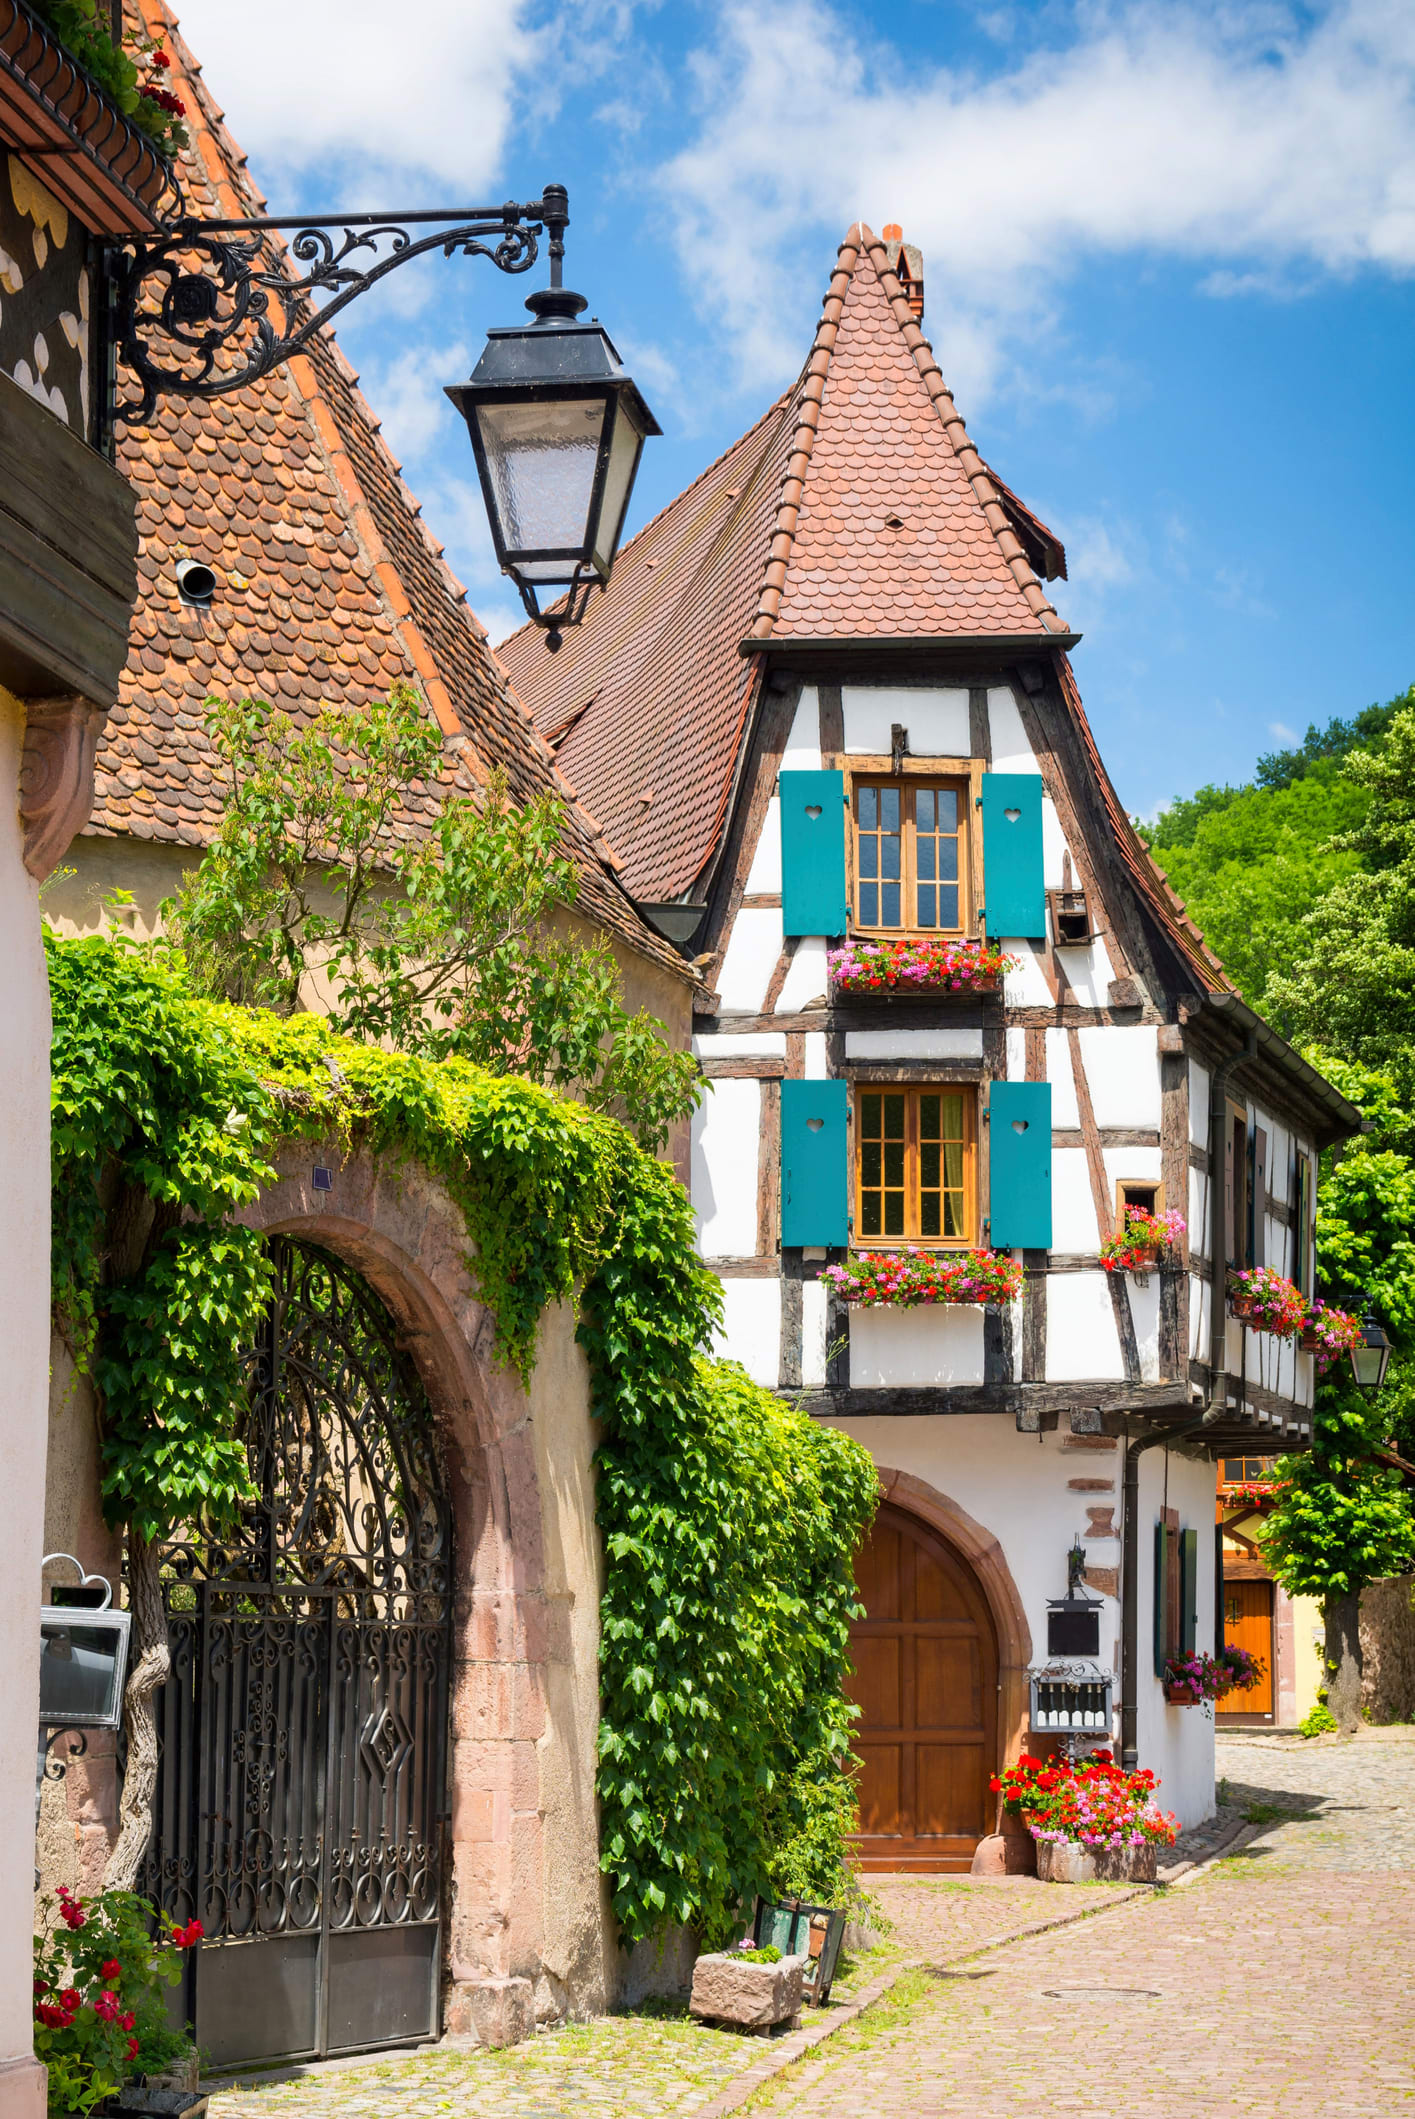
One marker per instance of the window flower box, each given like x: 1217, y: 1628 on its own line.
x: 1261, y: 1297
x: 909, y: 1278
x: 1146, y: 1239
x: 1329, y: 1333
x: 928, y: 964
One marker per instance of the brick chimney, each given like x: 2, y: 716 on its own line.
x: 906, y: 262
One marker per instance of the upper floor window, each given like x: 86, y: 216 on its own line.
x: 911, y: 856
x: 915, y: 1165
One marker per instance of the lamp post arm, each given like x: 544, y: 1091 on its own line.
x: 190, y: 312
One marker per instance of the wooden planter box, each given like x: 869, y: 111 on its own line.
x: 917, y: 989
x: 1066, y: 1861
x: 757, y: 1997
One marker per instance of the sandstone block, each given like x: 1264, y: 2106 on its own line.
x: 727, y: 1989
x: 496, y: 2012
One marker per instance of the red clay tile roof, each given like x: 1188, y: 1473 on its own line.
x: 889, y: 525
x: 330, y: 585
x: 788, y: 534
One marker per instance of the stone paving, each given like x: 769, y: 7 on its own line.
x: 1276, y: 1983
x: 1270, y: 1985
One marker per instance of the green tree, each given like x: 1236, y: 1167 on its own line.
x: 447, y: 938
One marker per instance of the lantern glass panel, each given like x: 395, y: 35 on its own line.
x: 541, y: 460
x: 81, y: 1663
x: 624, y: 449
x: 1369, y: 1362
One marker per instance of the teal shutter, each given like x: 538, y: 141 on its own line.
x: 1013, y: 890
x: 1019, y: 1165
x: 1161, y: 1615
x: 1188, y: 1591
x: 813, y: 853
x: 815, y: 1160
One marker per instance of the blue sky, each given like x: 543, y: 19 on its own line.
x: 1169, y: 265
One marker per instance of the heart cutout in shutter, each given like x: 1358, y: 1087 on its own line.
x: 815, y: 1124
x: 1020, y: 1125
x: 1012, y: 815
x: 813, y: 810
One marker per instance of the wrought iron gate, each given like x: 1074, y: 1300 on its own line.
x: 300, y: 1802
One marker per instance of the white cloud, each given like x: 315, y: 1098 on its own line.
x: 1283, y: 733
x: 1260, y: 141
x: 343, y: 92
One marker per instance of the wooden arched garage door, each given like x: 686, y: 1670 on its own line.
x: 925, y: 1681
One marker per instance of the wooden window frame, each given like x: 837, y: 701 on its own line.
x: 908, y: 774
x: 1151, y: 1184
x: 1236, y: 1184
x: 911, y: 1091
x: 1302, y: 1221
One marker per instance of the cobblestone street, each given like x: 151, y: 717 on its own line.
x: 1273, y: 1984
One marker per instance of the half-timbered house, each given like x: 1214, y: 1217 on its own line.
x: 827, y: 700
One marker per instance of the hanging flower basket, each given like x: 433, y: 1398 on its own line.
x: 1260, y: 1296
x: 1145, y: 1239
x: 928, y: 964
x: 1182, y: 1696
x: 909, y: 1278
x: 1329, y: 1333
x: 1191, y: 1680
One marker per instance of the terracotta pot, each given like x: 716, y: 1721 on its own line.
x: 1310, y: 1342
x: 1180, y: 1696
x: 1143, y: 1256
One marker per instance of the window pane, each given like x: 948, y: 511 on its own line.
x: 928, y: 905
x: 894, y: 1213
x: 890, y: 915
x: 869, y: 857
x: 953, y: 1165
x: 947, y: 908
x: 893, y: 1116
x: 894, y: 1163
x: 948, y: 809
x: 947, y: 860
x: 869, y: 905
x: 870, y: 1163
x: 930, y: 1114
x: 869, y: 808
x: 889, y: 807
x: 927, y: 850
x: 889, y: 854
x: 869, y: 1215
x: 871, y: 1113
x: 924, y: 808
x: 954, y: 1222
x: 929, y: 1215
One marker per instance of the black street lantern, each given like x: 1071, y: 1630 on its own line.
x: 1370, y: 1357
x: 558, y: 429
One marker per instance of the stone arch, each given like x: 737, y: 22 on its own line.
x: 986, y: 1558
x: 525, y: 1928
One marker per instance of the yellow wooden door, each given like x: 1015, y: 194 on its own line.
x: 1248, y: 1623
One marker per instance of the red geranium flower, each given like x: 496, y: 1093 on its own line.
x: 111, y: 1970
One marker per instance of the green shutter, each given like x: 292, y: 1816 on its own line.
x: 1161, y: 1579
x: 1188, y: 1591
x: 813, y: 853
x: 815, y: 1160
x: 1013, y: 889
x: 1019, y: 1165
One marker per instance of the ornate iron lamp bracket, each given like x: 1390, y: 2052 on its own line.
x: 209, y: 307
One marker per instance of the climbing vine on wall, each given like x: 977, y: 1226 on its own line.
x: 729, y: 1519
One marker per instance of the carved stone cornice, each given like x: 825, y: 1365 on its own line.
x: 56, y: 776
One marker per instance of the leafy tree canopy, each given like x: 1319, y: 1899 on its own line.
x: 455, y: 940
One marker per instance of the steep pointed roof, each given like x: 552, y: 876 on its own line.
x: 331, y: 587
x: 857, y: 507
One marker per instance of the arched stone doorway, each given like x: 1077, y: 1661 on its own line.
x: 926, y: 1683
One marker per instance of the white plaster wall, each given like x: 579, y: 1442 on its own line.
x: 751, y: 1328
x: 765, y: 871
x: 752, y: 951
x: 1011, y: 752
x: 1177, y: 1743
x: 1198, y: 1210
x: 725, y: 1135
x: 1198, y: 1318
x: 1198, y: 1104
x: 1017, y: 1055
x: 934, y: 1344
x: 817, y: 1062
x: 1082, y: 1341
x: 807, y: 977
x: 740, y: 1044
x: 813, y: 1334
x: 1145, y: 1311
x: 803, y: 749
x: 1065, y: 1111
x: 914, y: 1044
x: 24, y: 1387
x: 1073, y: 1210
x: 1089, y: 972
x: 1122, y: 1068
x: 1026, y: 987
x: 937, y: 721
x: 1143, y: 1165
x: 1054, y: 847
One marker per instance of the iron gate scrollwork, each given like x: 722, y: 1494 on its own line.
x: 300, y: 1801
